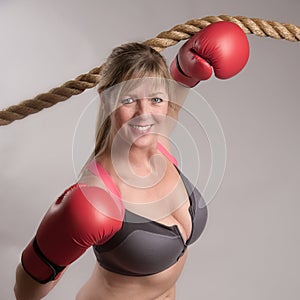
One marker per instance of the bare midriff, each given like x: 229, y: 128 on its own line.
x: 103, y: 285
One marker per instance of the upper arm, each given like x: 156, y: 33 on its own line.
x: 178, y: 97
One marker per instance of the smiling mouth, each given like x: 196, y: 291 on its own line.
x: 141, y: 128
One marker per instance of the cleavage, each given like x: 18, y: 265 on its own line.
x: 173, y: 209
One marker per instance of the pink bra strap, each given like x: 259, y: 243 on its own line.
x: 99, y: 171
x: 167, y: 154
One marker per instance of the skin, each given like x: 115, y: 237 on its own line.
x: 102, y: 284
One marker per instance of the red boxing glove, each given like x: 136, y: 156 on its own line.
x: 81, y: 217
x: 222, y: 46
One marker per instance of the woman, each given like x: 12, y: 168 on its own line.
x: 132, y: 203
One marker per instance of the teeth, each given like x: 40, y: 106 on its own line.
x: 141, y: 128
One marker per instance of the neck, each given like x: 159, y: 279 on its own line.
x: 139, y: 159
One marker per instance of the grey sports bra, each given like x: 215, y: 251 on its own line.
x: 143, y: 246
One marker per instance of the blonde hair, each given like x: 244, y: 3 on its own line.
x: 128, y: 61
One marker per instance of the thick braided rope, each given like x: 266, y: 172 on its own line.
x: 163, y: 40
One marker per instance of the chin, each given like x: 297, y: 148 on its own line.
x: 145, y: 141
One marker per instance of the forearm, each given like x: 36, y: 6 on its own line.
x: 72, y: 224
x: 27, y: 288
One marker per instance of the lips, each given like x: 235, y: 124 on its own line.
x: 141, y: 128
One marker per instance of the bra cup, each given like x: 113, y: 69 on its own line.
x: 200, y: 215
x: 142, y: 253
x: 198, y: 209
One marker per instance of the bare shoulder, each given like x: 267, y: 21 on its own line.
x: 165, y: 142
x: 88, y: 178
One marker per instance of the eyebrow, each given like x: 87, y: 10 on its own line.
x: 157, y: 94
x: 135, y: 96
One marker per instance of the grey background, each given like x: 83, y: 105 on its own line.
x: 250, y: 248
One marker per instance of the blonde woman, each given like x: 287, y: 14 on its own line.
x: 132, y: 202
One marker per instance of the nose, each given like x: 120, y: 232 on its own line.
x: 143, y: 106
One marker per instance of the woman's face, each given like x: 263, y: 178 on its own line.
x: 141, y: 113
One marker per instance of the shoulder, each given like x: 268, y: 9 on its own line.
x: 164, y: 141
x: 89, y: 178
x: 165, y: 149
x: 82, y: 200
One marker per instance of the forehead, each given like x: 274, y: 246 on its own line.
x: 143, y: 87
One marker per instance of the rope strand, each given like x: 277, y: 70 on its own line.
x: 258, y: 27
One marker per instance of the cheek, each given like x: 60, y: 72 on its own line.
x: 164, y: 109
x: 121, y: 116
x: 160, y: 114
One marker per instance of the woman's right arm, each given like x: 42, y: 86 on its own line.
x: 81, y: 217
x: 27, y: 288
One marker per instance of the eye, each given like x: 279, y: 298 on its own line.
x: 128, y: 100
x: 156, y: 100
